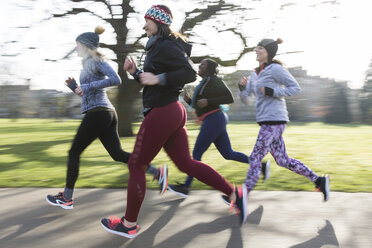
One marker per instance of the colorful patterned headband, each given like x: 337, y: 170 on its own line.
x: 159, y: 14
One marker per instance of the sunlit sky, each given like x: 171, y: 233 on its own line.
x: 326, y: 38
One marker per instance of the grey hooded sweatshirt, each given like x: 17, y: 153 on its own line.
x: 271, y: 108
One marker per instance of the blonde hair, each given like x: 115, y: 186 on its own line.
x: 91, y: 52
x: 88, y: 52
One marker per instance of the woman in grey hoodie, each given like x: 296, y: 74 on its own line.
x: 271, y: 83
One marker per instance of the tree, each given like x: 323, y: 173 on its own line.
x: 129, y: 91
x: 365, y: 97
x: 338, y: 106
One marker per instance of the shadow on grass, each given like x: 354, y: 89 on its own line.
x: 31, y: 151
x: 35, y: 152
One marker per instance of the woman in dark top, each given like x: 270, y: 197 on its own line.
x: 166, y: 70
x: 208, y: 96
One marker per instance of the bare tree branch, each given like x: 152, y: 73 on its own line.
x: 75, y: 11
x: 206, y: 14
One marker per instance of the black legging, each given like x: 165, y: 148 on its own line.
x: 102, y: 125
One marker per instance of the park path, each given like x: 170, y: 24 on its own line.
x: 276, y: 219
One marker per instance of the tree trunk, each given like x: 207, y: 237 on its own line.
x: 128, y: 92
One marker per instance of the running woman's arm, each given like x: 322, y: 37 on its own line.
x: 223, y: 94
x: 245, y: 89
x: 111, y: 78
x: 284, y: 78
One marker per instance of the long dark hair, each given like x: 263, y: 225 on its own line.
x: 164, y: 30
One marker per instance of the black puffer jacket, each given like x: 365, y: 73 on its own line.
x: 170, y: 57
x: 215, y: 91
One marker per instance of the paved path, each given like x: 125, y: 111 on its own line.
x: 276, y: 219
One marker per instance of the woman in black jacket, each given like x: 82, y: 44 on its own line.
x: 208, y: 96
x: 167, y: 69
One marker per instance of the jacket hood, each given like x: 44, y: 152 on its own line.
x: 185, y: 46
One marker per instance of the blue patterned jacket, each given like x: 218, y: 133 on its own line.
x: 94, y: 78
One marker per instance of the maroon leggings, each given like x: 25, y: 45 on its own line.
x: 165, y: 127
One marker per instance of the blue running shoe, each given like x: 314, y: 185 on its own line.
x: 266, y: 170
x: 241, y: 202
x: 60, y: 201
x: 322, y: 185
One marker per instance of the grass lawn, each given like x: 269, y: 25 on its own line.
x: 33, y: 153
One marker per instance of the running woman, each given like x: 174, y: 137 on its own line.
x: 167, y: 69
x: 271, y: 83
x: 100, y: 120
x: 207, y: 99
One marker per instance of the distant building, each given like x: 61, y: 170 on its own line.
x: 312, y: 104
x: 14, y: 100
x: 18, y: 101
x: 315, y: 102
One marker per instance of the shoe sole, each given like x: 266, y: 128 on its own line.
x: 164, y: 187
x: 327, y: 188
x: 245, y: 207
x: 58, y: 205
x: 177, y: 193
x: 226, y: 202
x: 130, y: 236
x: 267, y: 170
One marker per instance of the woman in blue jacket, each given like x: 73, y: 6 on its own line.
x: 100, y: 119
x: 271, y: 83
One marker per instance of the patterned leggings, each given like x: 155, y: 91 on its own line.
x: 270, y: 139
